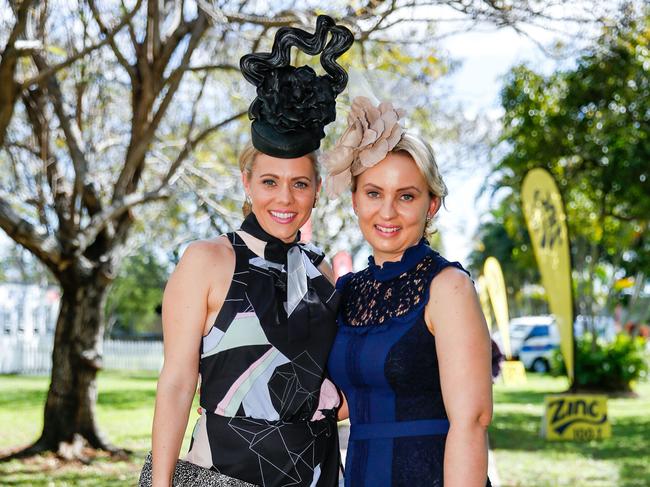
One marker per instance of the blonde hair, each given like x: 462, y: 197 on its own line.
x: 422, y: 153
x: 247, y: 162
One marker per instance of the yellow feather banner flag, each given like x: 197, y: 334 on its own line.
x: 496, y: 288
x: 485, y: 301
x: 546, y: 221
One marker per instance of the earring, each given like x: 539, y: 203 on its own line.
x: 429, y: 217
x: 248, y: 200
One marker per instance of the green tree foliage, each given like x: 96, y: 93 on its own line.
x: 590, y: 127
x: 611, y: 366
x: 134, y: 300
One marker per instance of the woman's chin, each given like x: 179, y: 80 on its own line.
x: 391, y: 244
x: 383, y: 245
x: 283, y: 231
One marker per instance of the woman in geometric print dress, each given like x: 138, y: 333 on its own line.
x: 268, y: 410
x: 252, y: 313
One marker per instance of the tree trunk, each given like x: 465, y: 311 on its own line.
x: 69, y: 417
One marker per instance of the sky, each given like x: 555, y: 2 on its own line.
x: 485, y: 57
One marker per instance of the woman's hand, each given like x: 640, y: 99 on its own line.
x: 342, y: 412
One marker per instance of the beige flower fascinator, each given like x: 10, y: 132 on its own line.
x: 373, y: 131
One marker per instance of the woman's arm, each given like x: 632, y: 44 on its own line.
x: 454, y: 316
x: 200, y: 280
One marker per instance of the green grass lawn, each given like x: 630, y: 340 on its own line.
x: 525, y: 459
x: 125, y: 411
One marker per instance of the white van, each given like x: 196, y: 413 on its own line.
x: 533, y: 340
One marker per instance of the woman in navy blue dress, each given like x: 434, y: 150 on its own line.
x: 412, y: 353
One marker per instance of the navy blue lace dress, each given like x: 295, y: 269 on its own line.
x: 384, y: 360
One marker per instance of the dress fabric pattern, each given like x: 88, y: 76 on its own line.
x: 268, y: 409
x: 384, y: 359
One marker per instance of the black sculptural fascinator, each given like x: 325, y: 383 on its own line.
x: 294, y: 104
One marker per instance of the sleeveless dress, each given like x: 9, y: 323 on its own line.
x: 384, y: 360
x: 268, y: 410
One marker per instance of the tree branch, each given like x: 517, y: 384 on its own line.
x: 228, y: 215
x: 111, y: 38
x: 100, y: 221
x: 73, y: 138
x: 8, y: 63
x: 214, y: 67
x: 137, y: 152
x: 619, y: 216
x: 132, y: 35
x: 35, y: 108
x: 192, y: 143
x: 220, y: 17
x: 44, y: 247
x: 21, y: 22
x: 108, y: 38
x: 24, y: 147
x: 392, y: 8
x: 172, y: 41
x: 152, y: 35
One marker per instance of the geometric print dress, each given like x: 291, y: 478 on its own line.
x: 268, y: 408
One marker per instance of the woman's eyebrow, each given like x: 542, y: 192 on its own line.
x: 271, y: 175
x: 371, y: 186
x: 411, y: 188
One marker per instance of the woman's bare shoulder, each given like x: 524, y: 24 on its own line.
x: 451, y: 292
x: 216, y: 250
x: 200, y: 258
x: 451, y: 280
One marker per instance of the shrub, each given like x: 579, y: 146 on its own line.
x: 607, y: 366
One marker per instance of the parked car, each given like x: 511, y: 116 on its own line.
x: 533, y: 340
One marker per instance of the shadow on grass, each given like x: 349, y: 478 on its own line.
x: 49, y: 470
x: 116, y: 398
x: 78, y: 478
x: 138, y: 375
x: 144, y: 377
x: 126, y: 398
x: 518, y: 396
x: 21, y: 399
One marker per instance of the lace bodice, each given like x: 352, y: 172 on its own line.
x: 371, y: 300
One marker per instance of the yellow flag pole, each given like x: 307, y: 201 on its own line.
x: 546, y: 221
x: 485, y: 300
x: 496, y: 288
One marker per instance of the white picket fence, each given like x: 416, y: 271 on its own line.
x: 33, y: 355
